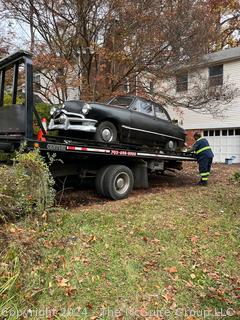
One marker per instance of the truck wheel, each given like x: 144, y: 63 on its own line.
x: 106, y: 132
x: 99, y: 180
x: 118, y: 182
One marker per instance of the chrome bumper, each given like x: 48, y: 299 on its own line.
x: 73, y: 123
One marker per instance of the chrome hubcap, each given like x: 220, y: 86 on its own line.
x: 121, y: 182
x: 107, y: 135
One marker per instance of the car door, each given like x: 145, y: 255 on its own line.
x: 163, y: 125
x: 142, y: 122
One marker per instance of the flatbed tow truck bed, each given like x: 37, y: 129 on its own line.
x: 117, y: 168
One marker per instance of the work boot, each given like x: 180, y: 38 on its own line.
x: 202, y: 183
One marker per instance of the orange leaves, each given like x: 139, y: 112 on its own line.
x: 47, y: 244
x: 155, y: 241
x: 194, y: 239
x: 191, y: 318
x: 70, y: 291
x: 172, y: 270
x: 150, y: 265
x: 169, y: 294
x: 64, y: 283
x: 168, y: 297
x: 61, y: 282
x: 15, y: 230
x: 92, y: 239
x: 189, y: 284
x: 145, y: 239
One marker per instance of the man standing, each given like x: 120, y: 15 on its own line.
x: 204, y: 157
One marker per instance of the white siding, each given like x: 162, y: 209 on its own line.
x: 231, y: 112
x: 225, y: 147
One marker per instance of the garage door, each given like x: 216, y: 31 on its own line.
x: 225, y: 143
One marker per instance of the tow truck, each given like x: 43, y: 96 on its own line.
x: 117, y: 168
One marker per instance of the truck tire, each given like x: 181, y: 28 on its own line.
x: 118, y: 182
x: 106, y: 132
x: 99, y: 180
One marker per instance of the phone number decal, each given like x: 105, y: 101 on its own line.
x: 123, y: 153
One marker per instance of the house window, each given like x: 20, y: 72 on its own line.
x: 216, y: 76
x: 224, y: 132
x: 182, y: 83
x: 211, y: 133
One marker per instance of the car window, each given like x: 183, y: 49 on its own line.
x: 144, y: 107
x: 121, y: 101
x: 160, y: 113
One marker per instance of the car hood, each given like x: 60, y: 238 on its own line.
x: 76, y: 106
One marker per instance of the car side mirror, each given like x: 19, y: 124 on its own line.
x: 175, y: 121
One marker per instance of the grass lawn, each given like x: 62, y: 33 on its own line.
x: 170, y: 252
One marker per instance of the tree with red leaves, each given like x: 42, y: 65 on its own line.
x: 97, y: 46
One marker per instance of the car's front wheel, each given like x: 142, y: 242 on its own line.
x: 106, y: 132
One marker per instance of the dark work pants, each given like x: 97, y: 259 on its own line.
x: 205, y: 164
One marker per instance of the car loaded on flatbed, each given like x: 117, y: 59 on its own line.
x: 117, y: 143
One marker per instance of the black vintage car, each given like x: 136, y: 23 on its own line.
x: 125, y: 119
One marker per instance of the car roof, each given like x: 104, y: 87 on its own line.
x: 136, y: 97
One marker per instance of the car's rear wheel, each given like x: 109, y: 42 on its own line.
x: 106, y: 132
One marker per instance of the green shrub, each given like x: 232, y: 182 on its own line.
x: 26, y: 186
x: 236, y: 177
x: 8, y: 99
x: 43, y: 110
x: 5, y: 156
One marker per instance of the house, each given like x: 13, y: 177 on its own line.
x: 222, y: 132
x: 215, y: 70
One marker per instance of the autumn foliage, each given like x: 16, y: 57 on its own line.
x: 97, y: 48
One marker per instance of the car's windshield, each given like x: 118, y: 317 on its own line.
x: 121, y: 101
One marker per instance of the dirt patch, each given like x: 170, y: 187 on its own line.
x: 184, y: 179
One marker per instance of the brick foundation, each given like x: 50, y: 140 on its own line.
x: 189, y: 138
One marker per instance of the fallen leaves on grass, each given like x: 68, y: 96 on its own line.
x: 149, y: 265
x: 70, y: 291
x: 169, y: 294
x: 64, y: 283
x: 61, y: 282
x: 92, y: 239
x: 194, y: 239
x: 172, y: 270
x: 145, y: 239
x: 155, y: 241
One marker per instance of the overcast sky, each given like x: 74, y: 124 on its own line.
x: 17, y: 33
